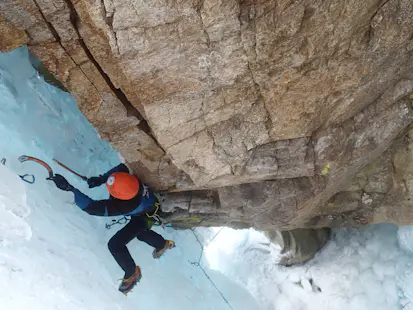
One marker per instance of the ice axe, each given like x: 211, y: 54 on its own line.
x: 68, y: 169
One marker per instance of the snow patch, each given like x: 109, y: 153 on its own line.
x: 362, y: 269
x: 13, y: 208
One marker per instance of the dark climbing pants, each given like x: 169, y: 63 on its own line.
x: 137, y: 227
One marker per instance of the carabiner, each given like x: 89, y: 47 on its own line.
x: 24, y: 176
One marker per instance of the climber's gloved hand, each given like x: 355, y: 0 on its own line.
x: 62, y: 183
x: 94, y: 182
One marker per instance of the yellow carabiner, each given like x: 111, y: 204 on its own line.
x: 156, y: 210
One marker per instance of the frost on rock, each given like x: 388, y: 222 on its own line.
x: 366, y: 199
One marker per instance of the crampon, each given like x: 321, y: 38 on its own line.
x: 128, y: 284
x: 169, y: 244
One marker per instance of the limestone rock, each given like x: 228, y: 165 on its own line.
x: 42, y: 71
x: 11, y: 37
x: 274, y: 114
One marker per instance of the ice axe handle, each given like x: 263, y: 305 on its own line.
x: 68, y: 169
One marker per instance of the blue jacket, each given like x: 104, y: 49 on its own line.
x: 142, y: 203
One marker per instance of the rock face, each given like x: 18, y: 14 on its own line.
x: 299, y: 245
x: 275, y: 114
x: 11, y: 37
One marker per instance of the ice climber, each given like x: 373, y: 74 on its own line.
x: 128, y: 196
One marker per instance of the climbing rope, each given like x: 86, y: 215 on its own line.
x: 125, y: 220
x: 203, y: 246
x: 198, y: 263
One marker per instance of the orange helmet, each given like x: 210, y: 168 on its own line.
x: 122, y: 185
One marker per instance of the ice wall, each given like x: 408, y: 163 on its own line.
x: 53, y: 255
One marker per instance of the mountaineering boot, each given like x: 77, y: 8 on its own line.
x: 128, y: 284
x: 169, y: 244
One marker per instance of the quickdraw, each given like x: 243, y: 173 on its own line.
x: 25, y: 158
x: 123, y: 220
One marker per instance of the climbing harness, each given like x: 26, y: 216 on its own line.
x: 123, y: 220
x: 154, y: 215
x: 25, y: 158
x: 70, y: 170
x: 28, y: 178
x: 157, y: 220
x: 150, y: 219
x: 153, y: 219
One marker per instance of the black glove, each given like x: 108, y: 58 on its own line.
x: 94, y: 182
x: 62, y: 183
